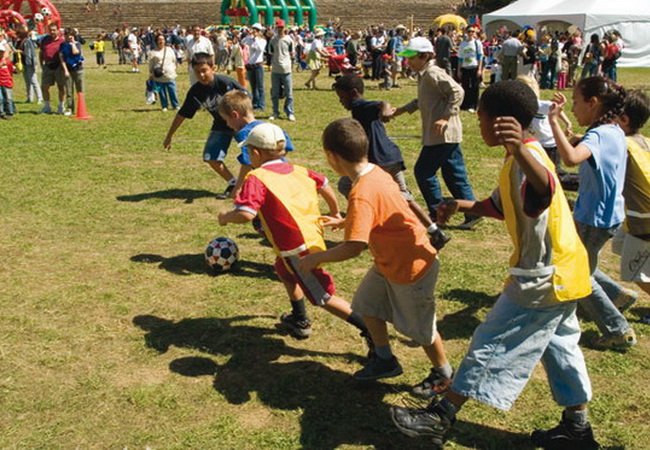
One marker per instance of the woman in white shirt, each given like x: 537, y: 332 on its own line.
x: 316, y: 53
x: 162, y: 70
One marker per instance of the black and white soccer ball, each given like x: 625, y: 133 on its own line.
x: 221, y: 254
x: 46, y: 11
x: 38, y: 17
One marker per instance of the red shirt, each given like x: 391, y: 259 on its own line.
x: 50, y: 48
x: 6, y: 73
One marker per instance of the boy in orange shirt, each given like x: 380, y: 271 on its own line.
x: 399, y: 287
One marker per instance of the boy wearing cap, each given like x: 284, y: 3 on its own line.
x: 282, y: 53
x: 285, y: 197
x: 439, y: 100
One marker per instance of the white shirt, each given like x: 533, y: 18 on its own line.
x: 256, y: 46
x: 200, y: 45
x: 541, y: 127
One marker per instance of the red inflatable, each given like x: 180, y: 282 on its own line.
x: 40, y: 12
x: 9, y: 19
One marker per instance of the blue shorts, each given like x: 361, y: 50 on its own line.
x: 507, y: 346
x: 216, y: 147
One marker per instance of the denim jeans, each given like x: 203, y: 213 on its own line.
x: 167, y: 93
x: 32, y: 86
x: 6, y: 101
x: 449, y: 158
x: 282, y: 81
x: 256, y: 79
x: 599, y: 305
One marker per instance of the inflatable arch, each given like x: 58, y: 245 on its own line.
x: 248, y: 12
x: 9, y: 19
x: 40, y: 12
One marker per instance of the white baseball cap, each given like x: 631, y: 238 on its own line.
x: 257, y: 26
x: 415, y: 46
x: 264, y: 136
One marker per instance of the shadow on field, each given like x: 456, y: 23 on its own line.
x: 187, y: 195
x: 194, y: 264
x: 461, y: 324
x: 335, y: 410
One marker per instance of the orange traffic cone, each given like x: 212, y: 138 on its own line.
x: 82, y: 113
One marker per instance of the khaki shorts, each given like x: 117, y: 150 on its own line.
x: 635, y: 257
x: 411, y: 308
x: 51, y: 76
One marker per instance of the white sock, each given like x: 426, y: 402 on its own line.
x: 432, y: 228
x: 232, y: 182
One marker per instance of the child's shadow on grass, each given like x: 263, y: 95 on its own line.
x: 187, y: 195
x: 194, y: 264
x: 461, y: 324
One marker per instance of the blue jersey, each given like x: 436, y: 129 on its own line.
x: 241, y: 135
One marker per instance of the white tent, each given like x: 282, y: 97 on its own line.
x: 630, y: 17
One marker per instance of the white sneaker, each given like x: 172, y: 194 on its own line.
x: 164, y: 109
x: 292, y: 118
x: 271, y: 118
x: 67, y: 113
x: 471, y: 110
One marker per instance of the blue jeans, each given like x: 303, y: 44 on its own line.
x: 599, y: 305
x: 282, y: 81
x: 256, y: 79
x: 167, y: 93
x: 449, y: 158
x: 32, y: 85
x: 6, y: 101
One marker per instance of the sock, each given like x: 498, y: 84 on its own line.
x: 577, y: 417
x: 46, y: 104
x: 298, y: 309
x: 61, y: 105
x: 446, y: 409
x: 384, y: 352
x: 356, y: 320
x: 232, y: 182
x: 432, y: 228
x: 446, y: 370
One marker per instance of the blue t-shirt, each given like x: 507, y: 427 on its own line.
x: 242, y: 134
x: 600, y: 196
x: 381, y: 150
x: 72, y: 61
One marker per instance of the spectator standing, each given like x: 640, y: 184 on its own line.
x: 197, y: 43
x: 98, y: 48
x: 510, y: 51
x: 72, y: 63
x: 52, y: 70
x: 255, y: 67
x: 28, y: 48
x: 316, y: 53
x: 239, y: 58
x: 6, y: 84
x: 591, y: 58
x: 443, y: 46
x: 282, y: 53
x: 352, y: 48
x: 162, y: 70
x: 470, y: 54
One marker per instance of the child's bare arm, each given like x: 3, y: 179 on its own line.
x: 344, y: 251
x: 177, y: 122
x: 235, y: 216
x: 571, y: 156
x: 243, y: 171
x: 330, y: 198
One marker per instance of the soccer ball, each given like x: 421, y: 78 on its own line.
x: 221, y: 254
x: 38, y: 17
x: 46, y: 11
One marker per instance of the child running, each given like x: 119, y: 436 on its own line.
x: 207, y: 93
x: 285, y: 197
x: 382, y: 151
x: 534, y: 318
x: 599, y: 210
x: 399, y: 287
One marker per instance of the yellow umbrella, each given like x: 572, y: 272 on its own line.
x: 449, y: 19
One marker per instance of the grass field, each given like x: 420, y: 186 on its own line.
x: 113, y: 335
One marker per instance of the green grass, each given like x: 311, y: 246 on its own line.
x: 113, y: 335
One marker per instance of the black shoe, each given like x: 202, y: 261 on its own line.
x: 298, y: 328
x: 434, y: 384
x: 226, y: 193
x: 378, y: 368
x: 565, y: 436
x: 422, y: 422
x: 438, y: 238
x: 370, y: 344
x: 469, y: 222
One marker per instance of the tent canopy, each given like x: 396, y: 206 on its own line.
x: 630, y: 17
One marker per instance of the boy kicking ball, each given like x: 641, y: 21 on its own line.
x: 534, y: 318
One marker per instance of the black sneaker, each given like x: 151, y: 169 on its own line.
x: 439, y: 239
x: 226, y: 193
x: 298, y: 328
x: 369, y: 343
x: 434, y: 384
x: 469, y: 222
x: 378, y: 368
x: 427, y: 422
x: 565, y: 436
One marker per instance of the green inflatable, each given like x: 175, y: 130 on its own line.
x: 248, y: 12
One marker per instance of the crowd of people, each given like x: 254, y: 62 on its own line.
x: 554, y: 265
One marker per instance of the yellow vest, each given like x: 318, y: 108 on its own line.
x: 571, y: 279
x: 637, y: 187
x: 296, y: 192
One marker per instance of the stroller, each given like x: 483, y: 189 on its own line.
x: 340, y: 64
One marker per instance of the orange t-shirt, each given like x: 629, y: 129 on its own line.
x: 379, y: 216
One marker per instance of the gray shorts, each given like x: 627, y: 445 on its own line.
x: 411, y: 308
x: 51, y: 76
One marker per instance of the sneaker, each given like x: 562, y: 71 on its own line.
x: 371, y: 345
x: 3, y: 117
x: 67, y: 113
x: 298, y: 328
x: 422, y: 422
x: 432, y: 385
x: 226, y: 193
x: 620, y: 342
x: 471, y: 110
x: 46, y: 110
x: 292, y: 118
x: 164, y: 110
x: 625, y: 299
x: 565, y: 436
x: 439, y: 239
x: 272, y: 118
x: 60, y: 110
x: 378, y: 368
x: 469, y: 222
